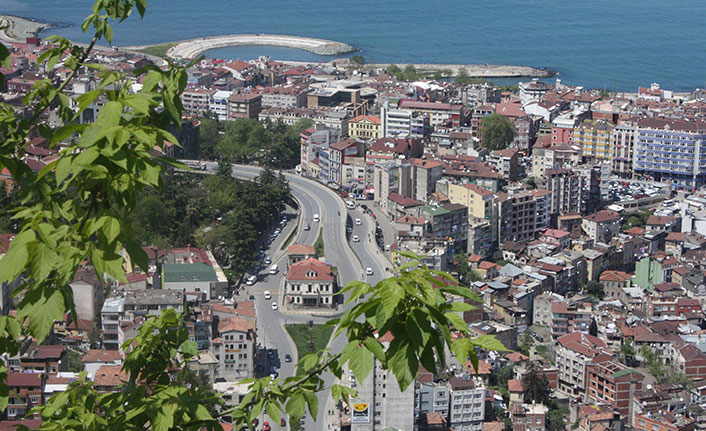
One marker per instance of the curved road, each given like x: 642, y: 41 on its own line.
x: 351, y: 259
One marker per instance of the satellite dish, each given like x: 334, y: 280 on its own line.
x: 649, y: 387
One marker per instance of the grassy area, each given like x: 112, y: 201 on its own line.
x: 158, y: 50
x: 319, y: 244
x: 289, y: 238
x: 308, y: 340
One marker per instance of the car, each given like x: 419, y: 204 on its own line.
x: 365, y: 207
x: 307, y: 226
x: 350, y: 205
x: 287, y: 358
x: 358, y: 222
x: 316, y: 218
x: 274, y: 269
x: 268, y: 295
x: 368, y: 271
x: 540, y: 338
x: 282, y: 422
x: 266, y: 426
x: 273, y: 369
x: 355, y: 238
x: 251, y: 280
x: 349, y: 229
x: 252, y: 297
x: 268, y: 260
x: 274, y: 305
x: 387, y: 247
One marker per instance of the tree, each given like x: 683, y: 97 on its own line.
x: 359, y: 60
x: 593, y: 328
x: 497, y: 132
x: 75, y: 212
x: 409, y: 73
x: 437, y: 76
x: 73, y: 360
x: 526, y: 343
x: 531, y: 182
x: 556, y: 420
x: 595, y: 289
x: 462, y: 77
x: 535, y: 385
x: 653, y: 362
x: 466, y: 273
x: 627, y: 352
x: 209, y: 135
x: 638, y: 219
x: 393, y: 70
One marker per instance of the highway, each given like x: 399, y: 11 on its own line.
x: 351, y: 259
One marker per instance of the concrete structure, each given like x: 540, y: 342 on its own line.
x: 663, y: 421
x: 533, y: 90
x: 199, y: 278
x: 439, y: 114
x: 466, y: 404
x: 310, y: 283
x: 568, y: 317
x: 403, y: 123
x: 622, y: 142
x: 601, y: 226
x: 566, y: 187
x: 392, y: 177
x: 234, y: 348
x: 246, y: 105
x: 88, y: 294
x: 594, y: 139
x: 196, y: 100
x: 218, y: 104
x: 387, y: 405
x: 425, y: 174
x: 613, y: 383
x: 670, y: 151
x: 575, y: 352
x: 365, y: 127
x: 529, y: 417
x: 505, y: 162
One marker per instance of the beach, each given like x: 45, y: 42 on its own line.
x: 19, y: 29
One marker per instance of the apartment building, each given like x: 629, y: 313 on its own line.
x: 567, y: 188
x: 663, y: 421
x: 594, y: 139
x: 283, y: 97
x: 622, y: 143
x: 517, y: 215
x: 669, y: 150
x: 25, y: 393
x: 570, y: 317
x: 218, y: 104
x: 505, y: 162
x: 244, y: 105
x: 380, y: 403
x: 439, y: 114
x: 533, y: 91
x: 448, y: 221
x: 310, y: 283
x: 482, y: 207
x: 403, y: 123
x: 425, y: 174
x: 575, y: 351
x: 601, y: 226
x: 613, y: 383
x: 466, y: 404
x: 431, y: 395
x: 392, y: 177
x: 196, y: 100
x: 234, y: 348
x: 338, y: 153
x: 529, y: 417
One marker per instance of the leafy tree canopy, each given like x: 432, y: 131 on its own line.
x: 497, y: 132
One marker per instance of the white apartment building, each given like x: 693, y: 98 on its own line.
x: 218, y: 104
x: 310, y: 283
x: 402, y: 123
x: 575, y: 351
x: 466, y: 404
x: 235, y: 348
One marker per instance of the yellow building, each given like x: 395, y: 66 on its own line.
x: 593, y: 137
x: 479, y: 201
x: 364, y: 127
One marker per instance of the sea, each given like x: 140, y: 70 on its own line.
x: 612, y: 44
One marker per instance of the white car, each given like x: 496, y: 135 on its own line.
x: 274, y: 305
x: 268, y: 295
x: 268, y: 260
x: 350, y: 205
x: 368, y: 271
x: 251, y: 280
x: 358, y: 222
x: 307, y: 226
x: 355, y: 238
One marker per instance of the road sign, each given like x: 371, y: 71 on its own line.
x: 360, y: 413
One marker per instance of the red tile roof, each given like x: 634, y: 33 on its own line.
x: 15, y: 380
x: 303, y: 249
x: 235, y: 324
x: 95, y: 355
x: 110, y: 375
x: 603, y: 216
x: 310, y: 269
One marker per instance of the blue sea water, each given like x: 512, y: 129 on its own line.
x: 597, y: 44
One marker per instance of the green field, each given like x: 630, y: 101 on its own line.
x: 308, y: 340
x: 158, y: 50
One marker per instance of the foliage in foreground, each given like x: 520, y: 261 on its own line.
x: 77, y: 210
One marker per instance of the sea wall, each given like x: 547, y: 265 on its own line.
x: 194, y: 47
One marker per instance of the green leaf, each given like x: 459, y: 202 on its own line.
x: 375, y: 348
x: 42, y: 312
x: 42, y: 260
x: 361, y: 363
x: 461, y: 306
x: 403, y: 363
x: 110, y: 114
x: 457, y: 321
x: 273, y: 411
x: 461, y: 348
x: 489, y: 342
x: 15, y: 260
x: 296, y: 406
x: 189, y: 348
x: 312, y: 402
x: 111, y: 228
x: 165, y: 417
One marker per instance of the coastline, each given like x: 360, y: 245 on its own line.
x: 19, y: 29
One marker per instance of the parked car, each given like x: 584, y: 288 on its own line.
x: 268, y: 260
x: 287, y: 358
x: 307, y: 226
x: 358, y: 222
x: 282, y: 422
x: 251, y: 280
x: 355, y: 238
